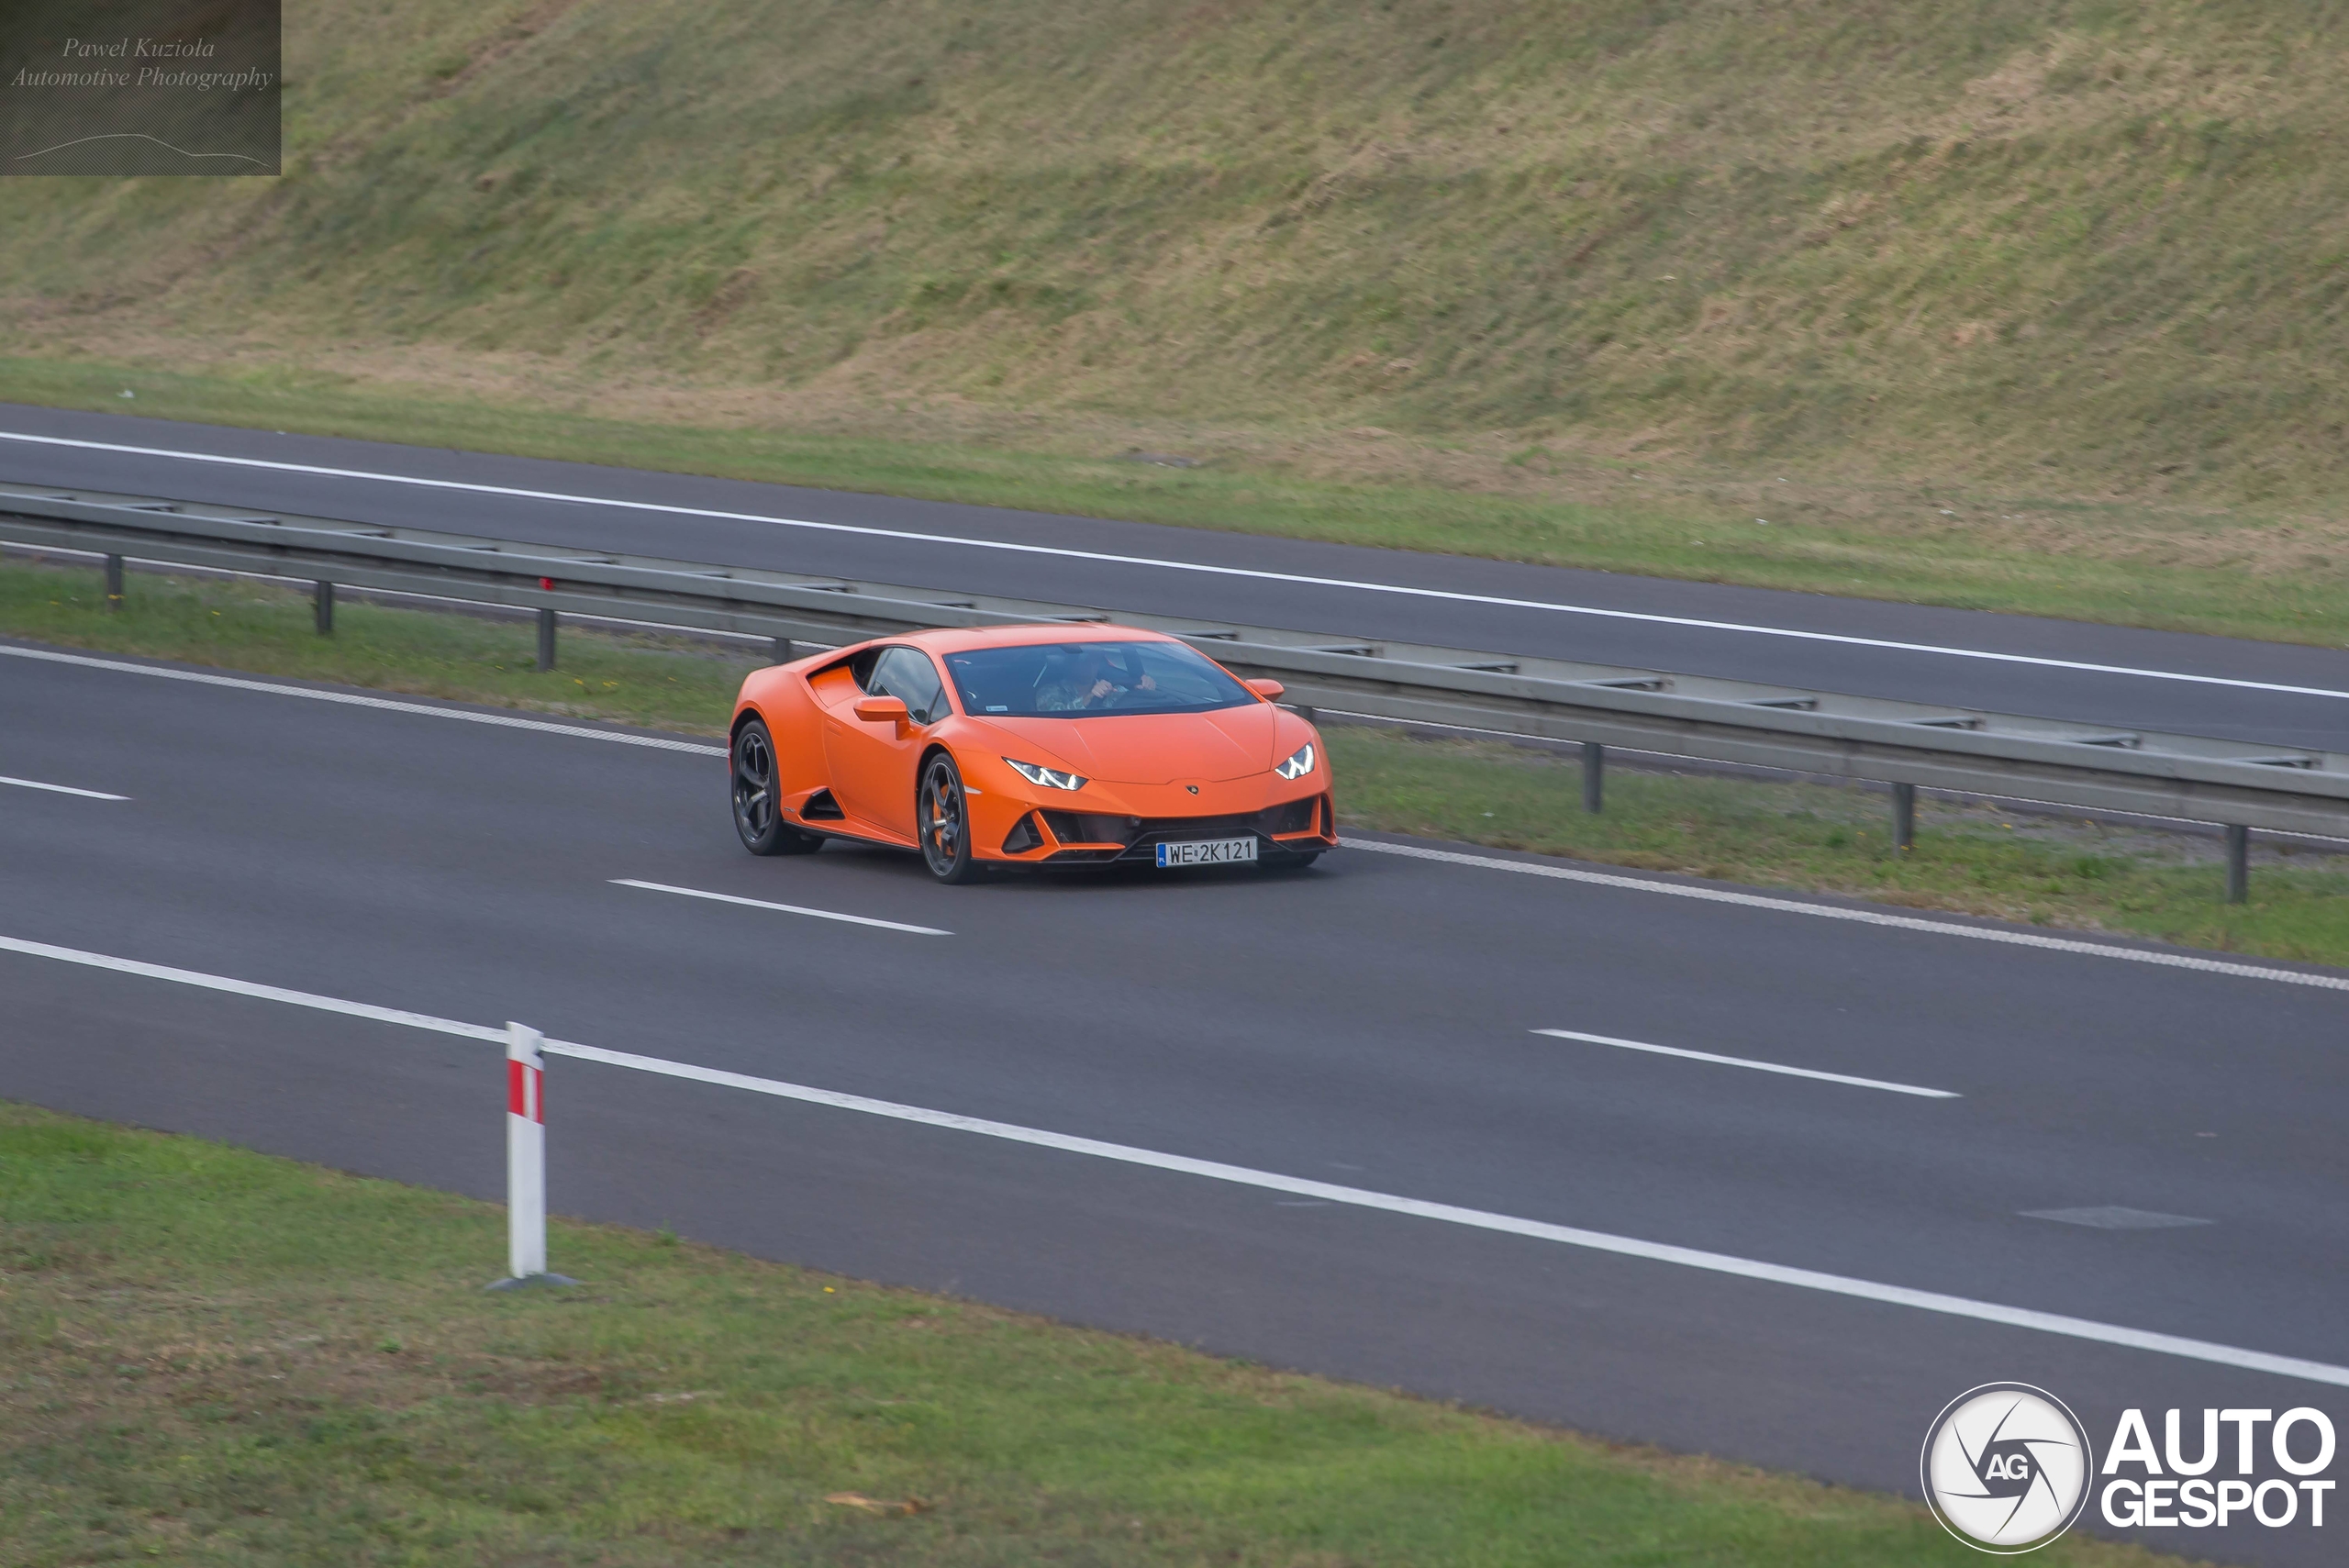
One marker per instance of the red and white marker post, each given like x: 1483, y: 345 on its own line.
x: 526, y: 1153
x: 526, y: 1162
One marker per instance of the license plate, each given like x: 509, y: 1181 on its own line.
x: 1206, y: 852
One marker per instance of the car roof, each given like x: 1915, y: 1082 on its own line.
x: 961, y: 640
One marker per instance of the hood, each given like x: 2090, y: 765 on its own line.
x: 1152, y: 748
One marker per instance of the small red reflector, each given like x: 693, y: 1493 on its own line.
x: 547, y: 582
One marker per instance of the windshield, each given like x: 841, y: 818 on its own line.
x: 1069, y: 680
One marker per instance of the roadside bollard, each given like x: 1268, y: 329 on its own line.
x: 526, y: 1162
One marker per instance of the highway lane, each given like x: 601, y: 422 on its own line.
x: 1183, y: 572
x: 1369, y: 1023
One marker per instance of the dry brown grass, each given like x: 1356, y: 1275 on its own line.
x: 2001, y: 290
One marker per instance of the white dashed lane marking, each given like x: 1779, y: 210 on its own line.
x: 780, y: 908
x: 63, y: 789
x: 1756, y: 1066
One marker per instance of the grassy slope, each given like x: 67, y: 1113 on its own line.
x: 1977, y: 860
x: 2062, y: 254
x: 214, y: 1357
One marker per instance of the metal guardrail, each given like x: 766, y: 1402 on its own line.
x: 2285, y: 788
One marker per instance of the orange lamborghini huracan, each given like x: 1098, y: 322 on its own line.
x: 1035, y: 745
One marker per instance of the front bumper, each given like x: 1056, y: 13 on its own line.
x: 1291, y: 828
x: 1089, y: 830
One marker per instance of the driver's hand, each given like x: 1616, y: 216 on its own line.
x: 1147, y: 683
x: 1100, y: 689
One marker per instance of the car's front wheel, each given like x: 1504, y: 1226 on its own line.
x: 942, y: 816
x: 758, y: 808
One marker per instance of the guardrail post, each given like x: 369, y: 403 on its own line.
x: 2238, y: 865
x: 322, y: 602
x: 114, y: 581
x: 782, y: 650
x: 1594, y: 776
x: 546, y: 639
x: 526, y: 1162
x: 1904, y: 816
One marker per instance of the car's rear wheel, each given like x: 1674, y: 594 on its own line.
x: 942, y: 817
x: 758, y: 805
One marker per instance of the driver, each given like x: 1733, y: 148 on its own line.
x: 1088, y: 681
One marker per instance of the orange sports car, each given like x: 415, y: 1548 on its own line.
x: 1033, y: 745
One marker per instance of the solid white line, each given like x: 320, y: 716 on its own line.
x: 63, y: 789
x: 1270, y: 1181
x: 1480, y: 1220
x: 1861, y: 916
x: 780, y: 908
x: 1757, y: 1066
x: 249, y: 988
x: 1302, y: 579
x: 350, y: 699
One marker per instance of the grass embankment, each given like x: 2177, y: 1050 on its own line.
x: 216, y: 1357
x: 1972, y: 859
x: 2031, y: 306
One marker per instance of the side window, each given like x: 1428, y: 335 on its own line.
x: 907, y: 674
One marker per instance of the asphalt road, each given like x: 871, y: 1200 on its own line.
x: 1367, y: 1023
x: 1348, y: 592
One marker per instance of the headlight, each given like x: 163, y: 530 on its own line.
x: 1053, y: 778
x: 1300, y: 763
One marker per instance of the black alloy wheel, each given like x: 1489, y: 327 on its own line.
x: 758, y: 813
x: 943, y: 819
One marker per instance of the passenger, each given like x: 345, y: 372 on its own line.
x: 1088, y: 682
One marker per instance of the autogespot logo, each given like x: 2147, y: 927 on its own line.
x: 2007, y: 1467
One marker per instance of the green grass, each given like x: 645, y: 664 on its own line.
x: 1972, y: 859
x: 2033, y: 306
x: 210, y: 1356
x: 648, y: 680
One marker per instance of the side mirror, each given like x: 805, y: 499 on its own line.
x: 1268, y: 690
x: 882, y: 710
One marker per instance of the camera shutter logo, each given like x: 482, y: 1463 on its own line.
x: 2007, y: 1467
